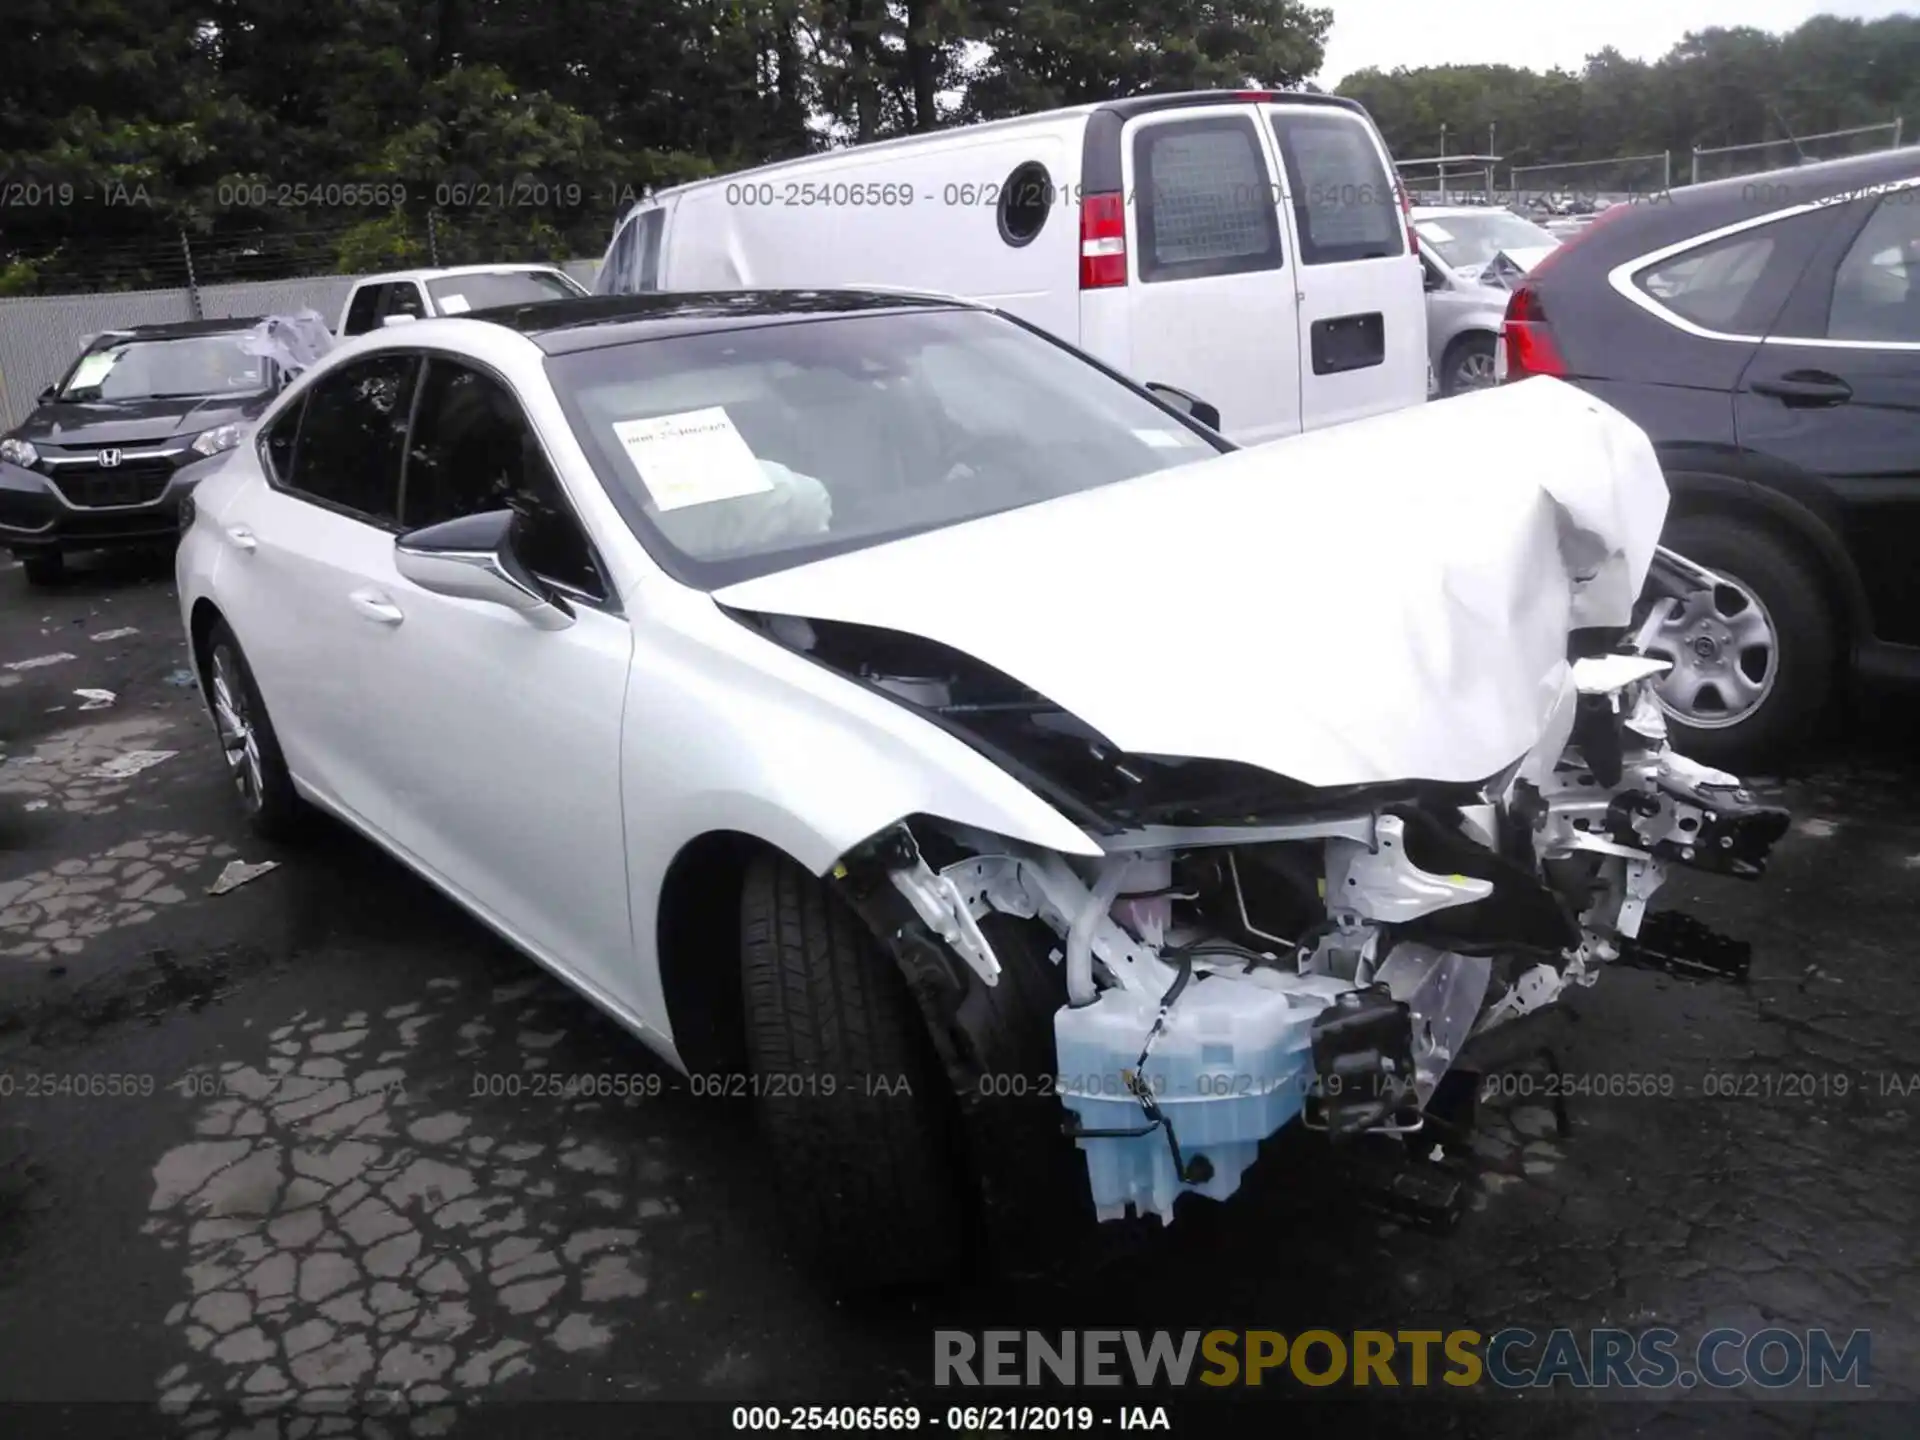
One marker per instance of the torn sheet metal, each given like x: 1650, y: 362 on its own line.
x: 1437, y: 555
x: 238, y: 873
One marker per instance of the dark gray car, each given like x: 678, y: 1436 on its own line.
x: 112, y: 447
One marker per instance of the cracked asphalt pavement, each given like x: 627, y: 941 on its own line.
x: 314, y: 1139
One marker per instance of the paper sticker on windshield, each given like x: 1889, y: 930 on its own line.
x: 1160, y: 439
x: 454, y: 305
x: 693, y: 458
x: 92, y: 369
x: 1431, y: 231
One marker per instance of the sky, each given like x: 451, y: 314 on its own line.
x: 1539, y: 36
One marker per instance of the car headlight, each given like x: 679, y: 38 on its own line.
x: 19, y: 452
x: 212, y: 442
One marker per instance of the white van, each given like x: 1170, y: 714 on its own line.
x: 1249, y: 247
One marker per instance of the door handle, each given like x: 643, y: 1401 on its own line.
x: 242, y: 538
x: 1805, y: 388
x: 375, y: 606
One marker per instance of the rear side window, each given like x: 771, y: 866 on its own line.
x: 1876, y: 291
x: 1204, y: 199
x: 353, y: 428
x: 362, y: 312
x: 1344, y: 205
x: 1737, y: 284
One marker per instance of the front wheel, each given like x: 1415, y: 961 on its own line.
x: 851, y: 1101
x: 1753, y: 659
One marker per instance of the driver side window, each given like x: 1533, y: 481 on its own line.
x: 472, y: 450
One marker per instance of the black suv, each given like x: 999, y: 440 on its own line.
x: 113, y: 446
x: 1765, y: 332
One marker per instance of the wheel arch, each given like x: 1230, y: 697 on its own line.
x: 1694, y: 494
x: 200, y: 622
x: 697, y: 940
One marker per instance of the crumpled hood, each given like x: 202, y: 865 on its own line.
x: 1384, y: 600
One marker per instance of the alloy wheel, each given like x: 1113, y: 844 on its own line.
x: 238, y: 738
x: 1474, y: 371
x: 1724, y: 653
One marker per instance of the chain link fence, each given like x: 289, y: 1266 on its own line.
x: 1615, y: 178
x: 1722, y: 162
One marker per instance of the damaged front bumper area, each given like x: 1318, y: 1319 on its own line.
x: 1328, y: 964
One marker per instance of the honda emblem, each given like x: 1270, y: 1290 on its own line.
x: 109, y: 458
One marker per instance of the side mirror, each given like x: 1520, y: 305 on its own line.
x: 397, y: 320
x: 1191, y: 405
x: 472, y: 558
x: 48, y: 395
x: 1431, y: 279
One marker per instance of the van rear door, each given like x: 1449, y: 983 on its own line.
x: 1210, y: 294
x: 1363, y: 317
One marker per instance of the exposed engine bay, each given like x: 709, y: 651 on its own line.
x: 1251, y: 951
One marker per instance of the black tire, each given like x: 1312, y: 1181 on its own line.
x: 866, y: 1165
x: 273, y: 808
x: 47, y: 567
x: 1806, y: 638
x: 1463, y: 352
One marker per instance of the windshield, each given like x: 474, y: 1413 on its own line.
x: 1473, y: 240
x: 457, y: 294
x: 189, y: 367
x: 739, y: 452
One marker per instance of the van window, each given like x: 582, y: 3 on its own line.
x: 646, y: 270
x: 1204, y: 198
x: 363, y: 313
x: 1344, y: 205
x: 612, y: 273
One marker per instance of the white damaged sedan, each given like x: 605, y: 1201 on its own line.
x: 895, y: 717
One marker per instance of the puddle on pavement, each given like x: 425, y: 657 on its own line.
x: 344, y: 1236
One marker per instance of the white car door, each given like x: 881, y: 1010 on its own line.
x: 1363, y: 317
x: 305, y: 549
x: 498, y: 744
x: 1210, y: 286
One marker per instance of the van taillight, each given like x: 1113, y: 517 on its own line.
x: 1103, y: 241
x: 1406, y: 218
x: 1526, y: 340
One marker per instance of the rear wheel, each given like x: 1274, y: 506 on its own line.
x: 851, y: 1098
x: 247, y: 740
x: 1754, y: 659
x: 45, y: 568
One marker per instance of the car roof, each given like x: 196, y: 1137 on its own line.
x: 1123, y: 109
x: 179, y: 329
x: 443, y: 271
x: 561, y: 327
x: 1637, y: 226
